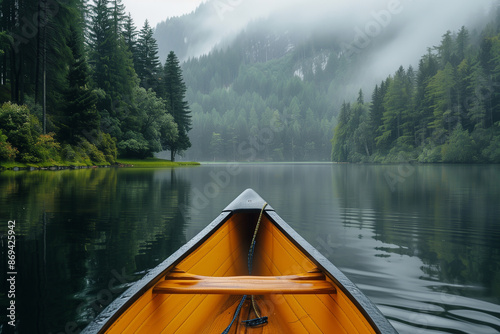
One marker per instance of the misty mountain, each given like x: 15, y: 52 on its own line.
x: 247, y: 66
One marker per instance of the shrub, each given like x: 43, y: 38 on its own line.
x: 107, y: 145
x: 91, y: 151
x: 68, y: 153
x: 430, y: 154
x: 7, y: 152
x: 47, y: 148
x: 460, y: 147
x: 492, y: 151
x: 20, y: 127
x: 134, y: 146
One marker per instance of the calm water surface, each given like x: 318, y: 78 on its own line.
x: 423, y: 242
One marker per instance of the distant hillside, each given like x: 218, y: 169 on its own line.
x: 272, y: 89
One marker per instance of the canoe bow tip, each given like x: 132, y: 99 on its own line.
x: 248, y: 200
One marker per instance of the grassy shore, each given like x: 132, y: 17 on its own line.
x: 154, y: 163
x: 137, y: 163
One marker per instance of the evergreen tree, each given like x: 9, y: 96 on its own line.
x: 113, y: 70
x: 339, y: 142
x: 446, y: 49
x: 495, y: 78
x: 464, y: 93
x: 118, y: 16
x: 440, y: 93
x: 147, y: 65
x: 175, y: 96
x: 479, y: 100
x: 396, y: 104
x: 427, y: 69
x: 130, y: 36
x: 376, y: 110
x: 462, y: 44
x: 102, y: 44
x: 80, y: 117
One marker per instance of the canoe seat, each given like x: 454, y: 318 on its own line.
x: 178, y: 282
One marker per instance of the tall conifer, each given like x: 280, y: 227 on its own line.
x: 175, y: 96
x: 147, y: 63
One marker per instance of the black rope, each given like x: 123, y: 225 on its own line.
x: 259, y: 321
x: 226, y: 331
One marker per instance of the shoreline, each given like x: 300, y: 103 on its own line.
x: 120, y: 163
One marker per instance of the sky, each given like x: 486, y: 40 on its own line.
x: 156, y: 11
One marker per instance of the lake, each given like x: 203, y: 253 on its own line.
x: 421, y: 241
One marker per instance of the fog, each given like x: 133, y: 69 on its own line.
x: 394, y: 32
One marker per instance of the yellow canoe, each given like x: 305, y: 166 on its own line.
x: 219, y: 283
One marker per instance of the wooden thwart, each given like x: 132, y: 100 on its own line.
x: 178, y: 282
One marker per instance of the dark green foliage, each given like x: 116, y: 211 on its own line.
x: 22, y: 130
x: 7, y: 152
x: 112, y: 64
x: 460, y: 148
x: 444, y: 113
x: 492, y: 151
x: 80, y: 115
x: 130, y: 36
x: 107, y: 145
x: 340, y: 150
x: 177, y: 105
x: 146, y: 62
x: 147, y: 127
x: 76, y: 59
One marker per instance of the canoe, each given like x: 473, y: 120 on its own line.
x: 248, y: 271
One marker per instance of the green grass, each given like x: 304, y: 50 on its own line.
x: 138, y: 163
x: 46, y: 164
x: 154, y: 163
x: 8, y: 165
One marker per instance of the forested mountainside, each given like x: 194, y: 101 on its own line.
x: 446, y: 110
x: 277, y: 91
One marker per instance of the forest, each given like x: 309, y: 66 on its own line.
x: 261, y: 99
x: 80, y: 84
x: 447, y: 110
x: 274, y: 95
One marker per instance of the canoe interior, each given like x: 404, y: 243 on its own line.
x: 225, y: 253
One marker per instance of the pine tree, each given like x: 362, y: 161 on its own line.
x: 101, y: 44
x: 113, y: 70
x: 441, y: 92
x: 462, y: 44
x: 175, y: 96
x: 465, y: 93
x: 427, y: 69
x: 396, y: 105
x: 340, y: 150
x: 80, y: 116
x: 446, y: 49
x: 495, y: 78
x: 377, y: 109
x: 147, y: 64
x: 130, y: 36
x: 118, y: 16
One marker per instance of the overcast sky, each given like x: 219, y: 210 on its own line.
x: 156, y: 11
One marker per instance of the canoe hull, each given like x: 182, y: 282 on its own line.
x: 221, y: 250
